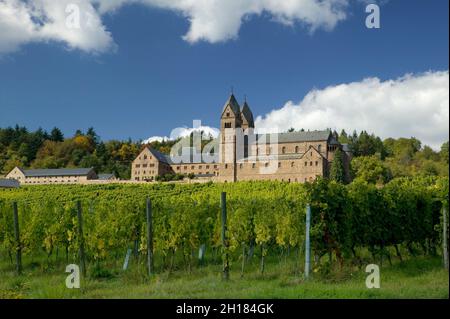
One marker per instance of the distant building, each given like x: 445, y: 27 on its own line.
x: 9, y: 183
x: 52, y: 176
x: 245, y: 155
x: 107, y: 177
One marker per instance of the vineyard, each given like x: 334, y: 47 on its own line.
x: 264, y: 219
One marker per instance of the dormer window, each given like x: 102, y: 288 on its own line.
x: 228, y: 114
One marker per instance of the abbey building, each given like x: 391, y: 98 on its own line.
x: 243, y: 154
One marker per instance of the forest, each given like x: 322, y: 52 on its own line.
x: 374, y: 160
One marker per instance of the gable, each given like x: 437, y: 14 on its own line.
x: 312, y: 154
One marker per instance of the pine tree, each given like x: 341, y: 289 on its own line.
x: 56, y: 135
x: 337, y: 171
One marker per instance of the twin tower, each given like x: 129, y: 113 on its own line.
x: 236, y: 126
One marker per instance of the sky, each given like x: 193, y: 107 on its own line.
x: 141, y: 68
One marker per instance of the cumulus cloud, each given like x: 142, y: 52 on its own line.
x: 181, y: 132
x: 220, y: 20
x: 28, y: 21
x: 155, y: 139
x: 23, y: 22
x: 413, y: 105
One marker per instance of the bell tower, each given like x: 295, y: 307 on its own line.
x: 230, y: 127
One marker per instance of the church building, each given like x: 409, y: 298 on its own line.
x: 246, y: 155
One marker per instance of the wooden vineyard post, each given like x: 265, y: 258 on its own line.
x: 307, y: 241
x: 81, y: 240
x: 444, y: 238
x: 17, y: 237
x: 149, y: 237
x: 226, y: 265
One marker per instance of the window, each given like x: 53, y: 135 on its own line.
x: 292, y: 164
x: 319, y: 147
x: 283, y: 150
x: 178, y: 168
x: 310, y: 163
x: 279, y: 164
x: 215, y: 166
x: 306, y: 163
x: 144, y: 165
x: 145, y: 157
x: 253, y: 165
x: 266, y: 164
x: 138, y: 165
x: 240, y: 166
x: 228, y: 125
x: 192, y: 167
x: 317, y: 163
x: 185, y: 168
x: 296, y: 149
x: 228, y: 114
x: 226, y: 166
x: 199, y: 167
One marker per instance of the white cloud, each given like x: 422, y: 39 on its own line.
x: 184, y: 132
x: 220, y: 20
x: 28, y: 21
x: 155, y: 139
x: 413, y: 105
x: 23, y: 22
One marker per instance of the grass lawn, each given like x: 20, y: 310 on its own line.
x: 418, y: 277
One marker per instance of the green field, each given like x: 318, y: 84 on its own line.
x: 398, y: 227
x: 420, y: 277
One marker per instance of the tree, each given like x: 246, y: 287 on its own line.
x: 56, y: 135
x: 337, y: 172
x: 370, y: 169
x: 343, y: 137
x: 444, y: 152
x: 93, y: 135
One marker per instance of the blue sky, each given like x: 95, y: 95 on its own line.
x: 155, y: 80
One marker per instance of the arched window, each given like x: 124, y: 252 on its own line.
x: 296, y: 149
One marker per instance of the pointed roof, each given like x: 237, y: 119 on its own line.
x: 233, y: 104
x: 247, y: 115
